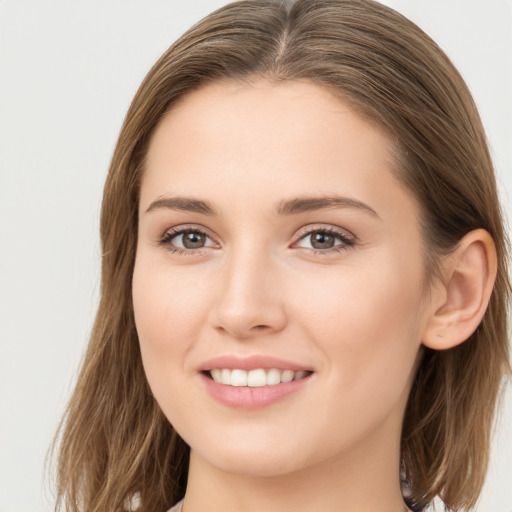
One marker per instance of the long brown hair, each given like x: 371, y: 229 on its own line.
x: 115, y: 443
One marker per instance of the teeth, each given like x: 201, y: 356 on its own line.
x: 255, y: 378
x: 273, y: 377
x: 225, y: 376
x: 287, y: 376
x: 238, y: 377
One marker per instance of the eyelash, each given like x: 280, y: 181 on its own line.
x: 166, y: 240
x: 347, y: 240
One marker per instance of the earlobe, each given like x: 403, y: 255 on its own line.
x: 459, y: 302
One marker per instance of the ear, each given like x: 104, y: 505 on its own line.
x: 458, y: 303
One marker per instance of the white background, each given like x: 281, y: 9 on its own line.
x: 68, y: 71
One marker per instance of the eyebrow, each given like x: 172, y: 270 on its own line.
x: 307, y: 204
x: 285, y: 207
x: 184, y: 204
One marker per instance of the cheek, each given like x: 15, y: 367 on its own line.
x: 367, y: 323
x: 168, y: 318
x: 169, y: 310
x: 355, y: 300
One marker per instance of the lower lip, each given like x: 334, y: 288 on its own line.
x: 249, y: 398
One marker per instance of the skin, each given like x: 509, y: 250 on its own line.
x: 355, y: 315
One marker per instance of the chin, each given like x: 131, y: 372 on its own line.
x: 259, y: 464
x: 255, y: 456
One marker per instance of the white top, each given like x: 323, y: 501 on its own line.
x: 177, y: 507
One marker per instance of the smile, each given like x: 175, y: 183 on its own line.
x: 252, y: 382
x: 255, y: 378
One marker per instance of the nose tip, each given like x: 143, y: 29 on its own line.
x: 249, y: 303
x: 249, y: 319
x: 241, y: 329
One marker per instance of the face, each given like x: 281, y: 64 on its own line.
x: 275, y: 244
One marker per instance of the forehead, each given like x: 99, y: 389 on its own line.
x: 234, y: 142
x: 235, y: 117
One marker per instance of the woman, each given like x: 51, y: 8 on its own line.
x: 304, y: 283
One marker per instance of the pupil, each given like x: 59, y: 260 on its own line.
x: 193, y: 240
x: 320, y: 240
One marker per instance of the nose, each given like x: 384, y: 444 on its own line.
x: 250, y: 298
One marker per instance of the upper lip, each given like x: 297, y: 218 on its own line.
x: 250, y: 363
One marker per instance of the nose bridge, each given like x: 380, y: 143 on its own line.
x: 248, y: 301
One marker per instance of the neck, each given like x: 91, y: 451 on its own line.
x: 364, y: 480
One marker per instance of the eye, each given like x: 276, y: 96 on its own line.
x: 325, y: 240
x: 186, y: 239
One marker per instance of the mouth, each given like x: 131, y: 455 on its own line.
x: 256, y: 378
x: 253, y: 382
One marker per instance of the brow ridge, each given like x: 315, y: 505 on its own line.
x: 185, y: 204
x: 285, y: 207
x: 307, y: 204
